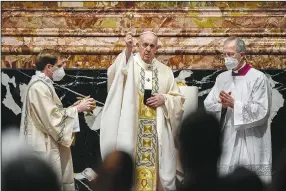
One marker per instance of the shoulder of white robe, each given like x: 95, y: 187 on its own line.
x: 159, y: 64
x: 44, y: 87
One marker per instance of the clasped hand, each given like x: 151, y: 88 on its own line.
x: 226, y: 99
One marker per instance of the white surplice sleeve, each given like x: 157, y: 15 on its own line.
x: 119, y: 64
x: 58, y: 122
x: 255, y: 111
x: 115, y: 124
x: 211, y: 102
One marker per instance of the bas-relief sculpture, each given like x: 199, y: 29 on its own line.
x: 90, y: 35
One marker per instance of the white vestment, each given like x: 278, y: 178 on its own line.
x: 247, y: 138
x: 119, y: 119
x: 47, y: 127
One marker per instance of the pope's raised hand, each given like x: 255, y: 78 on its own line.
x: 129, y: 41
x: 129, y: 45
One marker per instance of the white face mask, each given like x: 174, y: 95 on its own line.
x: 58, y: 74
x: 230, y: 63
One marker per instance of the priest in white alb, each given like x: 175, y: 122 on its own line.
x: 142, y: 111
x: 241, y: 99
x: 45, y: 125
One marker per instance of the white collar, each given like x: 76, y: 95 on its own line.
x: 143, y: 64
x: 43, y: 76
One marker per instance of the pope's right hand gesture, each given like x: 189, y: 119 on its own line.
x: 129, y: 41
x: 129, y: 45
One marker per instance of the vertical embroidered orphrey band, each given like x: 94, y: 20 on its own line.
x: 28, y: 103
x: 146, y: 156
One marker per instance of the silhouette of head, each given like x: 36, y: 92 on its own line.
x: 242, y: 179
x: 22, y: 169
x: 279, y: 183
x: 29, y: 173
x: 199, y: 142
x: 116, y: 173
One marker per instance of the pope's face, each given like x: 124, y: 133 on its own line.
x: 147, y: 47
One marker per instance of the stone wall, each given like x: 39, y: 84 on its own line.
x: 90, y: 34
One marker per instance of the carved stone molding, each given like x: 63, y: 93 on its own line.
x: 204, y: 62
x: 162, y: 32
x: 191, y: 33
x: 114, y: 45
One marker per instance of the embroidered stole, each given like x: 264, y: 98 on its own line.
x: 146, y: 149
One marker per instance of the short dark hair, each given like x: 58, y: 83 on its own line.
x: 200, y: 141
x: 46, y: 56
x: 116, y: 172
x: 29, y: 173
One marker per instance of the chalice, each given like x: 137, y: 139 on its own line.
x: 89, y: 111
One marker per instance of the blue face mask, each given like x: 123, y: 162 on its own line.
x: 230, y: 63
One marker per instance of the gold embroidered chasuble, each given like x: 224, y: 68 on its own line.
x: 47, y: 127
x: 145, y: 133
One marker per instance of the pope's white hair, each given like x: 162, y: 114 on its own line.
x: 146, y: 32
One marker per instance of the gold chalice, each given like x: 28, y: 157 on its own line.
x: 88, y: 112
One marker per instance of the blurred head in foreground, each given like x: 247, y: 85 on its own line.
x: 116, y: 173
x: 200, y: 146
x: 22, y: 169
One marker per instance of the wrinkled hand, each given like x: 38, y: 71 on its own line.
x: 85, y: 104
x: 76, y: 103
x: 129, y: 41
x: 222, y: 103
x: 156, y: 100
x: 129, y: 45
x: 226, y: 99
